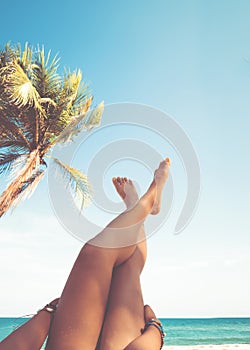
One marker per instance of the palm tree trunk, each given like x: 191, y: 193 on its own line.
x: 15, y: 187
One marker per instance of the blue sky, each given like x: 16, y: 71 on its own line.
x: 190, y: 59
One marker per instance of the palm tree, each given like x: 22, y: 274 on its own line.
x: 38, y: 109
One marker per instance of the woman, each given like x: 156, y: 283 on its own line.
x: 101, y: 306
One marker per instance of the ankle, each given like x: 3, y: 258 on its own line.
x: 154, y: 327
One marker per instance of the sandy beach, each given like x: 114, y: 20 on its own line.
x: 210, y: 347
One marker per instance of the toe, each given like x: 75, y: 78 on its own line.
x: 168, y: 161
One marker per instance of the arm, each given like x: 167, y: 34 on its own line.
x: 32, y: 334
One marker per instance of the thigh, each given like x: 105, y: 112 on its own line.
x: 124, y: 318
x: 80, y: 313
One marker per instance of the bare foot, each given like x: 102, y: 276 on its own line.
x: 160, y: 177
x: 126, y: 189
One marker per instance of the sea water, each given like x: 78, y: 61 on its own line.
x: 198, y: 331
x: 203, y: 331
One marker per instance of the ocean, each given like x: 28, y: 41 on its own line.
x: 203, y: 331
x: 200, y: 331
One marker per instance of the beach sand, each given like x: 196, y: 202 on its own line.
x: 210, y: 347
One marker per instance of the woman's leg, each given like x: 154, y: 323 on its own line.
x: 80, y: 313
x: 31, y: 335
x: 124, y: 318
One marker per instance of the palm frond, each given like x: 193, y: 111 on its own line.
x: 83, y: 121
x: 77, y: 182
x: 11, y: 131
x: 17, y: 167
x: 6, y: 160
x: 6, y: 55
x: 45, y: 77
x: 19, y: 87
x: 24, y: 57
x: 81, y: 99
x: 12, y: 144
x: 94, y: 117
x: 71, y: 83
x: 73, y: 96
x: 72, y: 100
